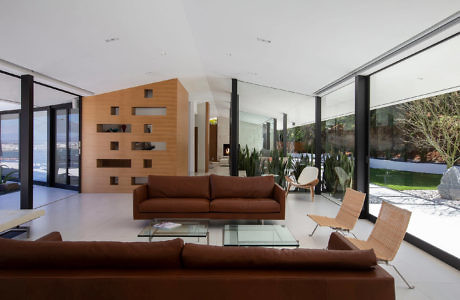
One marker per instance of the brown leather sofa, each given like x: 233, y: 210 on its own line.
x: 209, y: 197
x: 52, y: 269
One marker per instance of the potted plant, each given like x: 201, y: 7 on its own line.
x: 6, y: 186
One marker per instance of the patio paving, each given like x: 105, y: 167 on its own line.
x: 434, y: 220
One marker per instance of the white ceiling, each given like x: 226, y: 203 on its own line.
x: 204, y: 43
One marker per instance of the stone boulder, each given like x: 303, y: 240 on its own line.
x: 450, y: 184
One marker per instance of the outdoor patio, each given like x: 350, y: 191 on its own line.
x: 434, y: 220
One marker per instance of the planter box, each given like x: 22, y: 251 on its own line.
x: 9, y: 187
x: 420, y: 167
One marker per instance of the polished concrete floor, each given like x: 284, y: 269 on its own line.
x: 109, y: 217
x: 42, y: 196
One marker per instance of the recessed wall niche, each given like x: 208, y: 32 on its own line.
x: 147, y: 163
x: 114, y: 128
x: 149, y: 146
x: 148, y: 93
x: 149, y: 111
x: 114, y: 145
x: 113, y: 180
x: 113, y: 163
x: 147, y: 128
x: 114, y: 110
x: 138, y: 180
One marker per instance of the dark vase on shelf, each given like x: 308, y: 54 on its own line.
x: 123, y: 127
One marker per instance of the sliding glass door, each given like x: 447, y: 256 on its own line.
x: 67, y: 147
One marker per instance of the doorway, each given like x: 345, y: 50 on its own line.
x: 64, y: 166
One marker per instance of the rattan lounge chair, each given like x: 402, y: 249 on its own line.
x: 387, y: 235
x: 347, y: 216
x: 308, y: 179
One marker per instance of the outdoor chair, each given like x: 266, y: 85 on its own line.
x: 347, y: 216
x: 308, y: 179
x: 387, y: 235
x: 343, y: 178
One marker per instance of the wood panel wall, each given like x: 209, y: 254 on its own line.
x: 171, y: 128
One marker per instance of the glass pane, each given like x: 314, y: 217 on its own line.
x: 61, y: 147
x: 9, y: 151
x: 74, y: 148
x: 414, y: 140
x: 338, y: 132
x: 40, y: 168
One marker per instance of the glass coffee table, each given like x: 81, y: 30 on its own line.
x: 186, y: 229
x: 258, y: 235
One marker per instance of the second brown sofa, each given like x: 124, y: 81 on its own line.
x: 209, y: 197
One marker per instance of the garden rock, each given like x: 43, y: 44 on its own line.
x: 450, y: 184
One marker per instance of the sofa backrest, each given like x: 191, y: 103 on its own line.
x: 178, y: 186
x: 16, y: 254
x: 214, y: 257
x: 241, y: 187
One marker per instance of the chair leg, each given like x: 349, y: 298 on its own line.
x: 313, y: 232
x: 402, y: 277
x: 312, y: 193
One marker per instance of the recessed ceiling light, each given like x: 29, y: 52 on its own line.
x: 420, y: 78
x: 109, y: 40
x: 253, y: 73
x: 228, y: 54
x: 163, y: 53
x: 264, y: 40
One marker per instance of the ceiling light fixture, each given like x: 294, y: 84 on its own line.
x: 228, y: 54
x: 112, y: 39
x: 163, y: 53
x: 264, y: 40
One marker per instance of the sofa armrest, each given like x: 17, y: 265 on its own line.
x: 140, y: 194
x: 54, y: 236
x: 339, y: 242
x: 279, y: 194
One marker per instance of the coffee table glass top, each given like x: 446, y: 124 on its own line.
x: 259, y: 235
x: 186, y: 229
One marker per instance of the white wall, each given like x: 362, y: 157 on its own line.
x: 251, y: 135
x: 223, y: 135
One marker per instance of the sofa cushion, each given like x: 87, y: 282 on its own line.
x: 175, y: 205
x: 214, y: 257
x: 241, y: 187
x: 178, y: 186
x: 245, y: 205
x: 17, y: 254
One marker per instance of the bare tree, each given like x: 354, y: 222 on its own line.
x: 434, y: 122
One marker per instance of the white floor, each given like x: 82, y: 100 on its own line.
x: 42, y: 196
x: 109, y: 217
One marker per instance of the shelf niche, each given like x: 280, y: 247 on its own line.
x: 148, y: 111
x: 138, y: 180
x: 113, y: 163
x: 114, y: 110
x: 114, y: 146
x: 147, y: 163
x: 113, y: 128
x: 113, y: 180
x: 148, y: 146
x: 147, y: 128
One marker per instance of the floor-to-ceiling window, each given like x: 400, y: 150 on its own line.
x: 338, y: 141
x: 40, y: 155
x: 415, y: 139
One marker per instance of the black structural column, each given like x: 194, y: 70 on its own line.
x: 26, y: 134
x: 275, y: 134
x: 284, y: 135
x: 234, y: 128
x: 268, y: 135
x: 318, y: 146
x: 362, y: 124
